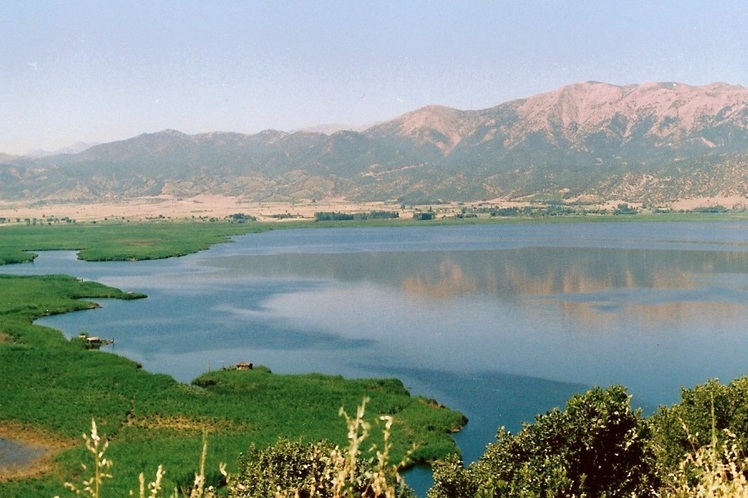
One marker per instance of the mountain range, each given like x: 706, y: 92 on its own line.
x: 652, y: 142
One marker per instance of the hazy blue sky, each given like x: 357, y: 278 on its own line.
x: 97, y: 71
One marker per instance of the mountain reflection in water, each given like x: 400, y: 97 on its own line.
x: 587, y: 284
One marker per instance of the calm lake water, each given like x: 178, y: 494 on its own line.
x: 500, y: 321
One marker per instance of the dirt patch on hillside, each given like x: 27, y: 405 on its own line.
x: 26, y: 452
x: 733, y: 202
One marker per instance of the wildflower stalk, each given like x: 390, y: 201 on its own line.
x: 92, y: 486
x: 198, y: 491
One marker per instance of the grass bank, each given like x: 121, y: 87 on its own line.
x: 54, y: 387
x: 118, y: 241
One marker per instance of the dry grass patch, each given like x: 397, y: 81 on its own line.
x: 190, y: 424
x: 139, y: 242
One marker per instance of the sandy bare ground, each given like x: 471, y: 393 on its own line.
x: 728, y: 202
x: 214, y: 206
x: 203, y: 206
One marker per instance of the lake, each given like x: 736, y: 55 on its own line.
x: 499, y: 321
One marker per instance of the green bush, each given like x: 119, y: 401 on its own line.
x: 706, y: 409
x: 285, y: 465
x: 597, y: 446
x: 322, y: 470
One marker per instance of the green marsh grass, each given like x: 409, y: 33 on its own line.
x: 284, y: 469
x: 118, y: 242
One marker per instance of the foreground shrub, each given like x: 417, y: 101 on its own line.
x: 717, y: 469
x: 286, y: 465
x: 319, y: 469
x: 598, y: 446
x: 711, y: 410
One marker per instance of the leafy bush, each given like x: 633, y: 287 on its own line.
x: 597, y: 446
x: 322, y: 470
x: 284, y: 465
x: 718, y: 469
x: 688, y: 426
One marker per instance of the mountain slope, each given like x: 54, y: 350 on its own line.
x: 654, y: 142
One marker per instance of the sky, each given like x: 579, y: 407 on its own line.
x: 99, y: 71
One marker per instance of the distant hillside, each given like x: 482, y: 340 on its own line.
x: 654, y: 142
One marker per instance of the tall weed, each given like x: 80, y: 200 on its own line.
x: 717, y: 469
x: 92, y: 485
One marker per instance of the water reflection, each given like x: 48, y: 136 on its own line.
x: 589, y: 285
x: 527, y: 271
x: 15, y: 454
x: 449, y: 282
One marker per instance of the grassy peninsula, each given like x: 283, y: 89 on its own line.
x: 51, y: 388
x: 117, y: 241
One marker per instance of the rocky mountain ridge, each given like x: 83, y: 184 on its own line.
x: 655, y: 142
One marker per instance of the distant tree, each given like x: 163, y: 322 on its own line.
x: 240, y: 218
x: 711, y: 209
x: 428, y: 215
x: 624, y: 208
x: 381, y: 215
x: 332, y: 216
